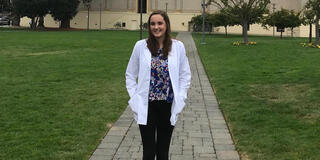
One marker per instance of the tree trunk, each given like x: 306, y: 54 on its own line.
x: 281, y: 34
x: 36, y: 22
x: 65, y: 23
x: 291, y: 32
x: 33, y: 23
x: 41, y: 22
x: 226, y: 30
x: 245, y: 31
x: 310, y: 33
x: 317, y: 30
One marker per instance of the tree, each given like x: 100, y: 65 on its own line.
x: 197, y: 22
x: 87, y: 3
x: 294, y: 20
x: 245, y: 11
x: 5, y: 6
x: 41, y: 22
x: 308, y: 19
x: 221, y: 19
x: 64, y: 11
x: 314, y: 5
x: 33, y: 9
x: 279, y: 19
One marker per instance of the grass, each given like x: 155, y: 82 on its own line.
x: 269, y: 94
x: 60, y: 91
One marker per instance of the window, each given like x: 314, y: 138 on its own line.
x: 144, y: 6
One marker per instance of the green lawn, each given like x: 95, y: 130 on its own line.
x: 269, y: 93
x: 60, y: 91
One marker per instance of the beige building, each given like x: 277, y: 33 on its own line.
x: 108, y: 14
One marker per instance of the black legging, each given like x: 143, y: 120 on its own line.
x: 156, y: 135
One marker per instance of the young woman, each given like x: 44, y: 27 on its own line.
x: 161, y: 66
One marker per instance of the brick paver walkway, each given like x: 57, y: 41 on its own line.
x: 201, y: 132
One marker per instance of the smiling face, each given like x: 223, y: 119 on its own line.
x: 158, y: 26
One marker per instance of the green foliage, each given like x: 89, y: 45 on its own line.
x: 245, y: 12
x: 198, y: 19
x: 222, y: 19
x: 61, y: 10
x: 294, y: 19
x: 215, y: 20
x: 277, y: 19
x: 314, y: 5
x: 283, y: 19
x: 308, y: 17
x: 5, y: 6
x: 33, y: 9
x: 87, y: 3
x: 64, y: 11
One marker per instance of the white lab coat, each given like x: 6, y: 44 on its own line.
x: 139, y: 67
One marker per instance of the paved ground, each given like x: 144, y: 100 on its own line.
x: 201, y: 132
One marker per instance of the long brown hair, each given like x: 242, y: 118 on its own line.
x: 152, y: 43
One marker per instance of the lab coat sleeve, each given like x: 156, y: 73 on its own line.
x: 184, y: 73
x: 133, y: 71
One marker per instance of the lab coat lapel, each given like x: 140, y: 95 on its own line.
x: 172, y: 68
x: 147, y: 54
x: 170, y: 60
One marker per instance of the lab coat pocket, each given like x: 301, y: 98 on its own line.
x: 180, y: 104
x: 133, y: 103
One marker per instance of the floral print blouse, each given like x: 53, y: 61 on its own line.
x: 160, y: 83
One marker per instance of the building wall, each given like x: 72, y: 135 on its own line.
x: 180, y: 13
x: 179, y: 21
x: 287, y: 4
x: 256, y: 29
